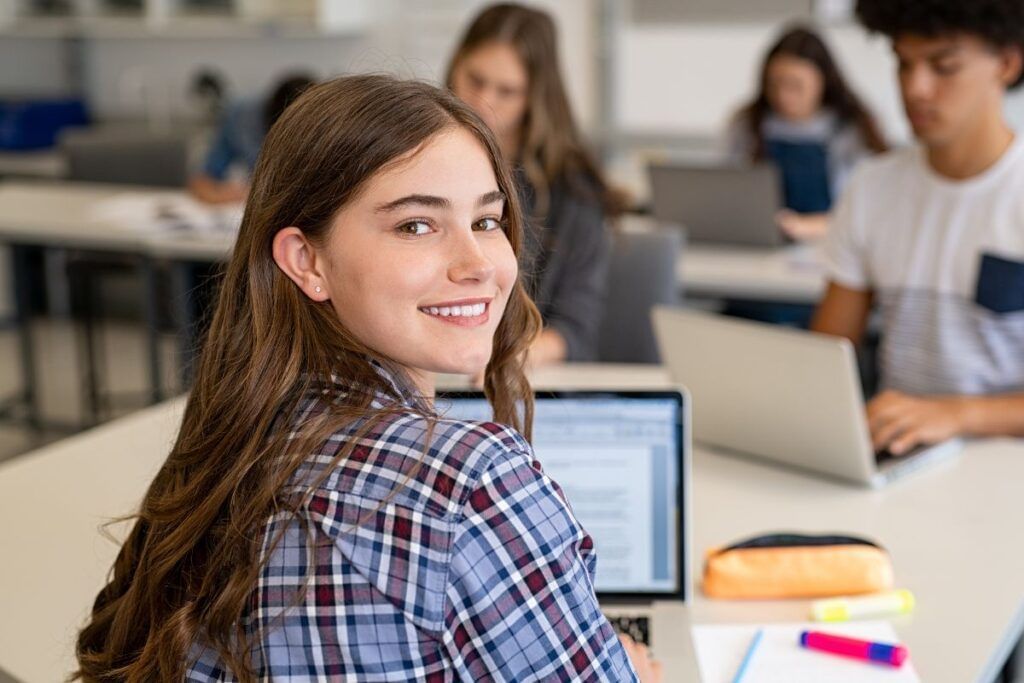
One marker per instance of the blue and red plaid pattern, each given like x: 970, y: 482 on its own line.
x: 461, y: 562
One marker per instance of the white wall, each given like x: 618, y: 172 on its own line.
x: 681, y: 80
x: 688, y: 80
x: 126, y: 76
x: 33, y: 66
x: 133, y: 76
x: 416, y: 38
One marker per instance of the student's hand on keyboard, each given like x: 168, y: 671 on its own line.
x: 899, y: 421
x: 649, y: 670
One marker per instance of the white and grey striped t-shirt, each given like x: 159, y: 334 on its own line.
x: 946, y: 262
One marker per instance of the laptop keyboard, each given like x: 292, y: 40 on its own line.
x: 637, y: 628
x: 885, y: 455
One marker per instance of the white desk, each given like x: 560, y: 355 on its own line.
x: 65, y: 215
x: 953, y: 532
x: 47, y: 163
x: 791, y: 274
x: 52, y: 503
x: 68, y: 216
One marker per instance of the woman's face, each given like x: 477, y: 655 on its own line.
x: 418, y: 266
x: 492, y: 79
x: 794, y: 87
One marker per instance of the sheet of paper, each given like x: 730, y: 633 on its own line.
x: 162, y: 212
x: 779, y: 657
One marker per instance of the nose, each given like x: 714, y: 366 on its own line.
x: 918, y: 83
x: 469, y: 262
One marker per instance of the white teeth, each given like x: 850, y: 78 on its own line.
x: 469, y: 311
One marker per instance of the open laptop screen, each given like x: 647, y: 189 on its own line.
x: 619, y: 458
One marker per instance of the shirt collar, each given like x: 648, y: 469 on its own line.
x: 406, y: 395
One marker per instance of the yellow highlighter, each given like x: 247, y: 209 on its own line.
x: 877, y: 605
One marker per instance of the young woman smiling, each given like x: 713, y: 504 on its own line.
x: 316, y: 519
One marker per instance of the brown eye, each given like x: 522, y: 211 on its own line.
x: 487, y: 224
x: 414, y: 228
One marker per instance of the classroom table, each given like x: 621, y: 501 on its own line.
x: 792, y: 274
x: 45, y: 164
x: 953, y: 533
x: 60, y: 216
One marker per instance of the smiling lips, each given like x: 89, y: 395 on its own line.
x: 464, y: 314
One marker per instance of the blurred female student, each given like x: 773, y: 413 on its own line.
x: 235, y: 145
x: 506, y: 68
x: 807, y: 120
x: 316, y: 518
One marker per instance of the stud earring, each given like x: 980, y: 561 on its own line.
x: 317, y: 289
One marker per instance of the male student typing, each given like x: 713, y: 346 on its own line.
x: 934, y: 234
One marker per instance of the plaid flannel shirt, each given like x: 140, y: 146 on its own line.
x: 458, y: 562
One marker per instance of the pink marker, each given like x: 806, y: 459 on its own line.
x: 883, y: 653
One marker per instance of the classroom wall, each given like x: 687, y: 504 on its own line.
x: 687, y: 80
x: 673, y: 80
x: 128, y: 77
x: 33, y: 66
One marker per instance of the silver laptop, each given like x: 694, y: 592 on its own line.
x: 784, y: 395
x: 734, y: 205
x: 622, y: 458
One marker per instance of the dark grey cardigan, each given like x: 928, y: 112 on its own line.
x: 565, y: 261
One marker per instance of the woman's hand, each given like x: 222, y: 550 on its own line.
x: 802, y: 226
x: 649, y: 670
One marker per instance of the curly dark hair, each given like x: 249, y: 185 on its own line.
x: 998, y: 22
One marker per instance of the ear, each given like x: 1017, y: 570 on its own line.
x: 1012, y: 63
x: 296, y: 257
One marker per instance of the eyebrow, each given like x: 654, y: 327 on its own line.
x: 945, y: 52
x: 940, y: 53
x: 435, y: 202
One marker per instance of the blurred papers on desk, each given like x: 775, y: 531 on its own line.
x: 149, y: 212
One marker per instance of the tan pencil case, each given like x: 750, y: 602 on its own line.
x: 785, y: 565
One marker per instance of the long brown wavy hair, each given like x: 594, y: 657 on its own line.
x: 552, y: 148
x: 805, y: 44
x: 190, y: 563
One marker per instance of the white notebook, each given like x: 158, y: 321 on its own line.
x: 779, y: 657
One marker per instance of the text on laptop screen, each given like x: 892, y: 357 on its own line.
x: 617, y: 461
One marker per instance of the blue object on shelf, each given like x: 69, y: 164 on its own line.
x: 27, y: 124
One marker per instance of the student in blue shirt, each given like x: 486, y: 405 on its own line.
x: 236, y: 144
x: 807, y: 120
